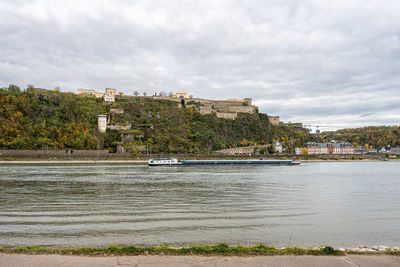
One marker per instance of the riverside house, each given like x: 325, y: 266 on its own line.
x: 329, y: 148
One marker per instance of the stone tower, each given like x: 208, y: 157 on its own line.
x: 102, y: 123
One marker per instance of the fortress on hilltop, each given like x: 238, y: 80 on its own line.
x: 227, y: 109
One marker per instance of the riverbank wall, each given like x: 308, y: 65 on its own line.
x: 69, y: 154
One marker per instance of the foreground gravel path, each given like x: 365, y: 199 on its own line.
x: 178, y: 261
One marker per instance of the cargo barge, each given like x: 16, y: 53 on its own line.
x: 175, y: 162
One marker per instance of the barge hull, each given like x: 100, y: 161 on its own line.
x: 214, y: 162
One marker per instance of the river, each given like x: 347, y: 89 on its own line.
x: 342, y: 204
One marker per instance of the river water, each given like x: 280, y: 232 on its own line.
x: 332, y: 203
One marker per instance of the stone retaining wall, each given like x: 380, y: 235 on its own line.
x: 11, y: 153
x: 104, y: 154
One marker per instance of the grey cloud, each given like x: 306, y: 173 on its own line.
x: 309, y: 61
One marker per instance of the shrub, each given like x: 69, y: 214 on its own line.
x: 327, y: 250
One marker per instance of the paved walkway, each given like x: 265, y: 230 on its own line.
x: 10, y: 260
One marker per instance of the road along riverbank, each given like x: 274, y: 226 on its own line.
x: 178, y: 261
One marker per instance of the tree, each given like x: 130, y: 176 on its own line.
x: 144, y: 93
x: 30, y: 89
x: 136, y: 93
x: 263, y: 151
x: 244, y: 142
x: 14, y: 88
x: 304, y: 151
x: 271, y: 149
x: 170, y: 94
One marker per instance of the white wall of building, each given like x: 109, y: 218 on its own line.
x: 102, y: 123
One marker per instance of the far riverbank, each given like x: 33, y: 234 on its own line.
x: 142, y: 162
x: 25, y: 157
x: 103, y: 156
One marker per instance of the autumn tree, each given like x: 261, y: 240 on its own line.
x: 244, y: 142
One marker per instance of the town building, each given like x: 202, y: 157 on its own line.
x: 341, y: 148
x: 389, y: 150
x: 395, y: 150
x: 278, y: 147
x: 316, y: 148
x: 327, y: 148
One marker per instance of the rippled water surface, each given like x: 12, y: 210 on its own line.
x: 335, y: 203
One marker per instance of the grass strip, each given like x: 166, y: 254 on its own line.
x: 218, y: 249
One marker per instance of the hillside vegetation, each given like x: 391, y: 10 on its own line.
x: 38, y: 119
x: 372, y: 136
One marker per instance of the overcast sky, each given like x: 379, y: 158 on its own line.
x: 328, y: 63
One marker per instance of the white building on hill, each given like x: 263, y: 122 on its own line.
x: 109, y: 96
x: 102, y: 123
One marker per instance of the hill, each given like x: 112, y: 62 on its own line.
x: 372, y: 136
x: 38, y: 118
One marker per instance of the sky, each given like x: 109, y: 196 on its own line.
x: 331, y: 64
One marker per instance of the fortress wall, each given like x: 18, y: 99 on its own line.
x: 243, y: 109
x: 274, y: 120
x: 222, y: 103
x: 166, y: 98
x: 225, y: 104
x: 205, y: 110
x: 136, y: 148
x: 90, y: 152
x: 241, y: 150
x: 248, y: 101
x: 116, y: 110
x: 203, y: 101
x: 119, y: 127
x: 227, y: 115
x: 190, y: 106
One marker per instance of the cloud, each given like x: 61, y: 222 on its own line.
x: 312, y: 61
